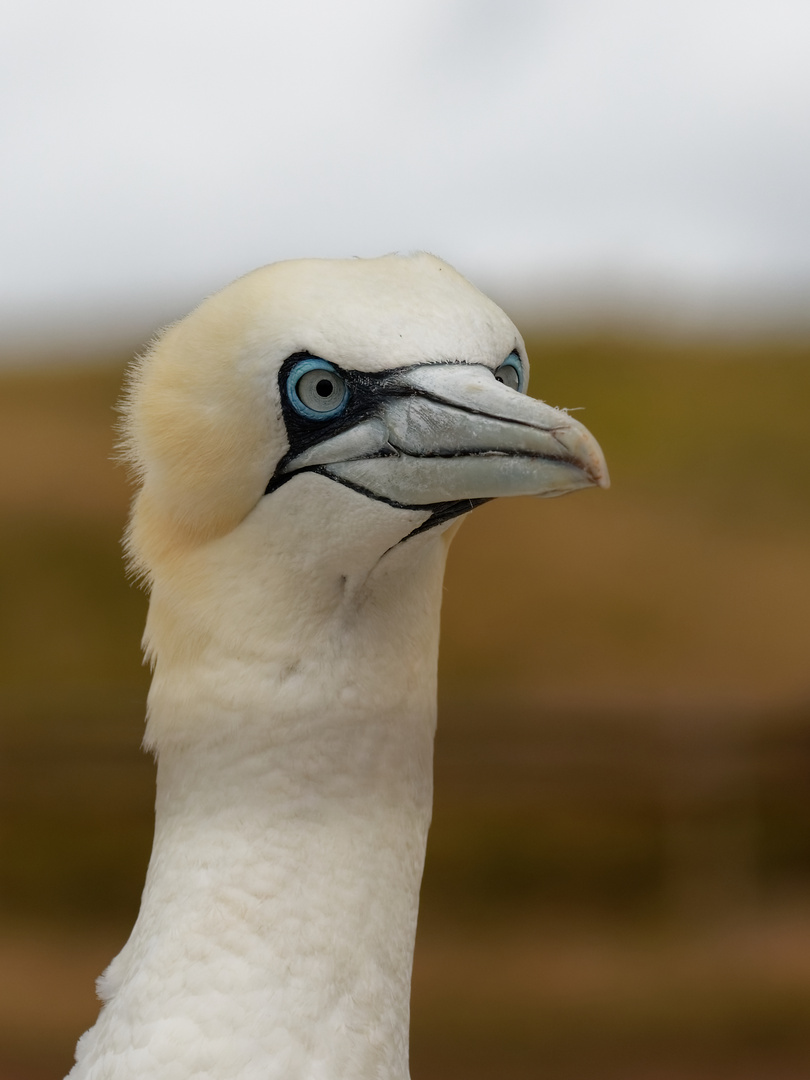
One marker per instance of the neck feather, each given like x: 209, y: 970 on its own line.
x: 277, y: 925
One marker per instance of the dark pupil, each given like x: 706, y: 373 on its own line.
x: 323, y: 387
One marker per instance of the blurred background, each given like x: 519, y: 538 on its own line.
x: 618, y: 875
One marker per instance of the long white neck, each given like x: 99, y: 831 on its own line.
x: 276, y: 932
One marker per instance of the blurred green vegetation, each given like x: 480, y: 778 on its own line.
x: 624, y: 725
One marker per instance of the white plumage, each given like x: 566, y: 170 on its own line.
x: 305, y: 441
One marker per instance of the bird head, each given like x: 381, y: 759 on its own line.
x: 393, y: 377
x: 320, y: 414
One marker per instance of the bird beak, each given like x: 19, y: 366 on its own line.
x: 447, y: 432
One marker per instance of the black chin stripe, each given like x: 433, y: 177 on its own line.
x: 443, y: 512
x: 439, y: 512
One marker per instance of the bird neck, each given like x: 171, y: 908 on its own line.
x: 294, y: 795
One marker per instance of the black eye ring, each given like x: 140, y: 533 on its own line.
x: 316, y: 389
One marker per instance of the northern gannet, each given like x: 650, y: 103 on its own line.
x: 305, y: 442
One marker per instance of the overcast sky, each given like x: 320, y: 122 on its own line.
x: 152, y: 151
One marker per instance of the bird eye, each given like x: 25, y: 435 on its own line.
x: 316, y: 390
x: 510, y: 373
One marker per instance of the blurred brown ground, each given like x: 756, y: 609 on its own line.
x: 618, y: 874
